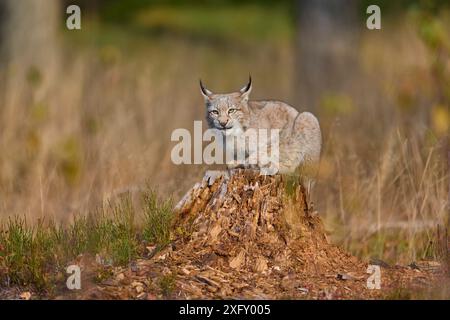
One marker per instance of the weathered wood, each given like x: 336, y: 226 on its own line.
x: 243, y: 235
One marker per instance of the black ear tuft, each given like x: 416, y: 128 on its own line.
x: 248, y: 87
x: 205, y: 92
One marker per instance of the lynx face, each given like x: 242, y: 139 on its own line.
x: 227, y: 112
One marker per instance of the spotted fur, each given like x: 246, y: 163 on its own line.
x: 300, y: 136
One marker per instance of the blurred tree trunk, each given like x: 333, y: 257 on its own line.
x: 2, y: 47
x: 327, y: 46
x: 28, y: 43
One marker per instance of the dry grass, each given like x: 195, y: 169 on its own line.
x: 36, y: 255
x: 103, y: 127
x: 384, y: 179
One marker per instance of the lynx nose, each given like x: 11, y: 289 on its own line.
x: 223, y: 122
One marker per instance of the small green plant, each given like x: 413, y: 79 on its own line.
x: 291, y: 183
x: 167, y: 283
x: 112, y: 232
x: 27, y: 253
x: 158, y: 217
x: 123, y: 242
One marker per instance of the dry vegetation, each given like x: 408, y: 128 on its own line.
x: 102, y: 128
x: 246, y: 236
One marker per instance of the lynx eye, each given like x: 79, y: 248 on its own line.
x: 214, y: 112
x: 232, y: 110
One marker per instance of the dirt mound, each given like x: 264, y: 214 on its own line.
x: 252, y: 237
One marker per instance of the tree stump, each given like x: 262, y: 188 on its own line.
x: 252, y: 236
x: 246, y: 236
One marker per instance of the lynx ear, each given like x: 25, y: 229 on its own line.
x: 245, y: 91
x: 205, y: 92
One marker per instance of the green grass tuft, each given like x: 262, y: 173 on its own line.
x: 167, y: 284
x: 158, y: 218
x: 36, y: 256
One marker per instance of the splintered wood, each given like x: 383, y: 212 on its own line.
x: 243, y: 235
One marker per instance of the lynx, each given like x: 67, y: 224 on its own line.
x: 233, y: 114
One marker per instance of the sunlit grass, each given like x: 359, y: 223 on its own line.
x: 36, y: 255
x: 105, y: 126
x: 158, y: 217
